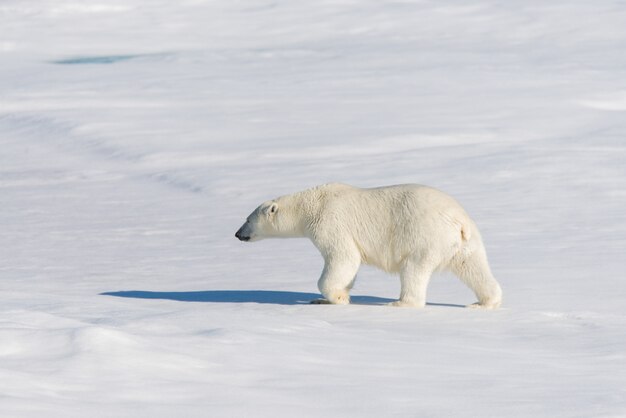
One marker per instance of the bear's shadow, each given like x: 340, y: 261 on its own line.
x: 248, y: 296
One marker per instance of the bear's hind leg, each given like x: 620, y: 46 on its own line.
x: 474, y: 271
x: 414, y: 279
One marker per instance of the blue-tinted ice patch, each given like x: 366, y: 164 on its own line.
x: 111, y: 59
x: 103, y: 59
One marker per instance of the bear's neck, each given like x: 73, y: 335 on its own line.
x: 304, y: 207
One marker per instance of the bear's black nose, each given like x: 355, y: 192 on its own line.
x: 241, y: 237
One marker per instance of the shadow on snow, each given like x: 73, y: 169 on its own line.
x: 249, y: 296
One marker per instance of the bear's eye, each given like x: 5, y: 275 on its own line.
x: 273, y: 209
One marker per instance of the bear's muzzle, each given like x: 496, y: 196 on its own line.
x: 239, y: 234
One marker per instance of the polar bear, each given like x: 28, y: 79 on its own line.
x: 408, y: 229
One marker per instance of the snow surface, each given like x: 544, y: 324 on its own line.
x: 136, y: 136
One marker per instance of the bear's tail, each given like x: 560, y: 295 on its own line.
x: 466, y: 232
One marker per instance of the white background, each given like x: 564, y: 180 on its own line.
x: 136, y: 136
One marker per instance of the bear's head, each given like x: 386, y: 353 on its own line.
x: 260, y: 224
x: 273, y: 219
x: 282, y: 217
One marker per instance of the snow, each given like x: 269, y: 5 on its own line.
x: 137, y: 135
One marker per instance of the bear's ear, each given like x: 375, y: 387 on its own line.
x: 272, y: 209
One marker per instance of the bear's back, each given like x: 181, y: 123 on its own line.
x: 387, y: 223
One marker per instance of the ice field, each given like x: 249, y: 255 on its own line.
x: 136, y: 136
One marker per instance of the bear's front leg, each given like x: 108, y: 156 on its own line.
x: 337, y: 279
x: 339, y: 300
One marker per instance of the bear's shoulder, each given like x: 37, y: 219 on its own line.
x: 330, y: 190
x: 335, y: 187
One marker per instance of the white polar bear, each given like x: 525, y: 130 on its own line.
x: 408, y: 229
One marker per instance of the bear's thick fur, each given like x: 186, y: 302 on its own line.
x: 408, y: 229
